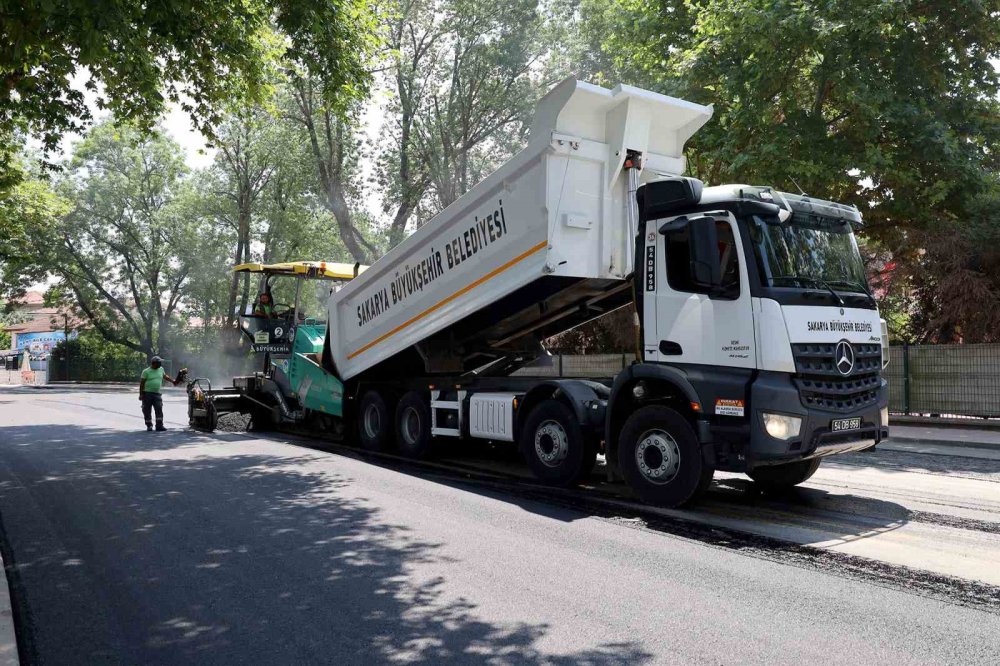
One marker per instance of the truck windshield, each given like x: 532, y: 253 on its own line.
x: 792, y: 254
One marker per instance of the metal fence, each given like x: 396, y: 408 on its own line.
x: 933, y: 380
x: 945, y: 380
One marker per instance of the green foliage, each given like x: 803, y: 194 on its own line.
x: 91, y: 346
x: 91, y: 358
x: 889, y: 105
x: 140, y: 54
x: 114, y: 251
x: 29, y: 212
x: 462, y: 92
x: 334, y: 144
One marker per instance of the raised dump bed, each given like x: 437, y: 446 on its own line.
x: 541, y: 245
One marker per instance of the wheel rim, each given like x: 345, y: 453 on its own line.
x: 372, y: 421
x: 410, y: 425
x: 658, y: 457
x: 551, y: 443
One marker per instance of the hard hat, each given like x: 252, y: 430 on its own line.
x: 156, y: 359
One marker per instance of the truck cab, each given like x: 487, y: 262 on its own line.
x: 758, y: 329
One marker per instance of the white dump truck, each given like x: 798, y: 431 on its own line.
x: 759, y: 348
x: 759, y: 345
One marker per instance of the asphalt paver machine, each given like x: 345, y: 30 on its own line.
x: 291, y: 382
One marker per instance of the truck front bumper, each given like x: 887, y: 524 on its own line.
x: 775, y: 393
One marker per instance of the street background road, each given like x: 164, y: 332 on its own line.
x: 130, y: 547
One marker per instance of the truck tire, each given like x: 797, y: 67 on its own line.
x: 374, y: 422
x: 779, y: 477
x: 413, y: 425
x: 554, y: 445
x: 660, y: 457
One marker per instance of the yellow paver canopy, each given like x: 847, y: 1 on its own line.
x: 310, y: 269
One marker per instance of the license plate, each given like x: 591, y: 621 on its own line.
x: 838, y: 425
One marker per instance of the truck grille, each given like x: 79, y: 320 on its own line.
x: 821, y: 384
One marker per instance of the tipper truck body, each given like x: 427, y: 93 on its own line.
x: 758, y: 346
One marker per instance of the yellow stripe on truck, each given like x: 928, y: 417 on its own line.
x: 464, y: 290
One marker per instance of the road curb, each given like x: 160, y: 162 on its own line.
x: 8, y: 636
x: 948, y: 423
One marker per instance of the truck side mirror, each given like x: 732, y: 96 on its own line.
x: 706, y: 268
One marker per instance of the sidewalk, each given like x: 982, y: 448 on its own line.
x: 943, y: 440
x: 985, y: 439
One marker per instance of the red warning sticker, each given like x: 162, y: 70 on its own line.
x: 728, y: 407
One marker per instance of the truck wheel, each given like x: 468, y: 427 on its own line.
x: 554, y: 445
x: 374, y: 422
x: 413, y: 425
x: 660, y: 457
x: 778, y: 477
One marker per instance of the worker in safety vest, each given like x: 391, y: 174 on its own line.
x: 150, y: 383
x: 264, y: 307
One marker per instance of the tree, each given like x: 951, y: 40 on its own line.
x: 116, y: 254
x: 28, y: 214
x: 248, y: 157
x: 483, y: 87
x: 141, y: 54
x: 889, y: 105
x: 462, y: 89
x: 206, y: 237
x: 334, y: 149
x: 414, y: 35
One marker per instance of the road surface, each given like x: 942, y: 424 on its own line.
x: 130, y: 547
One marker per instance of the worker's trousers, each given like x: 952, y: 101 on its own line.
x: 150, y: 402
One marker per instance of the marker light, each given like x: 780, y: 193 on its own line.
x: 781, y: 426
x: 885, y: 415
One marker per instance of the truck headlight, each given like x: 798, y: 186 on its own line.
x: 884, y: 412
x: 781, y: 426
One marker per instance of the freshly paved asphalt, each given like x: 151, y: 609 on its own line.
x: 128, y: 547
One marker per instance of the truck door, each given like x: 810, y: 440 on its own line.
x: 684, y: 323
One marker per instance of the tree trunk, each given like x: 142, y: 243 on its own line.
x: 398, y: 227
x: 329, y: 163
x: 246, y: 280
x: 234, y: 285
x: 336, y: 203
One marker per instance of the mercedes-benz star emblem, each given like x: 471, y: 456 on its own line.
x: 844, y: 358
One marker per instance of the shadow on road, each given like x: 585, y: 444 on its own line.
x: 794, y: 517
x: 167, y: 548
